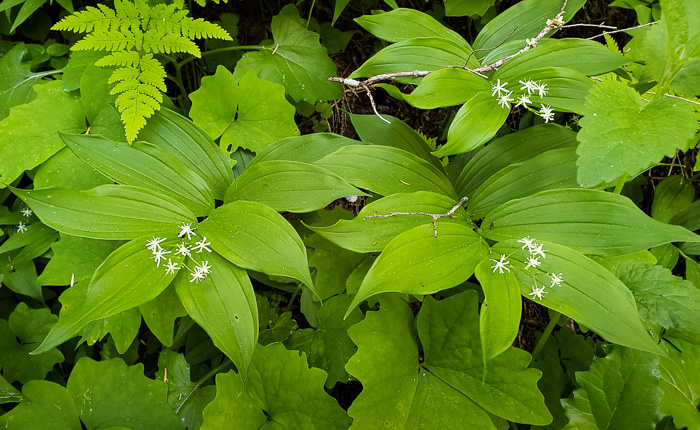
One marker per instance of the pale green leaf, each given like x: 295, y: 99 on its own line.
x: 65, y: 170
x: 75, y: 258
x: 680, y: 384
x: 308, y: 148
x: 467, y: 7
x: 16, y: 79
x: 45, y: 405
x: 673, y: 195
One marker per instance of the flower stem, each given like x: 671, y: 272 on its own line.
x: 620, y: 183
x: 226, y: 49
x: 547, y: 332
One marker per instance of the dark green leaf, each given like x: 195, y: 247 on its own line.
x: 160, y: 314
x: 672, y: 196
x: 46, y: 406
x: 36, y: 240
x: 16, y: 79
x: 680, y: 384
x: 333, y: 265
x: 75, y: 259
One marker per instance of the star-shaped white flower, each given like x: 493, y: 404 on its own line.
x: 186, y: 229
x: 523, y: 100
x: 197, y: 275
x: 537, y: 292
x: 171, y: 267
x: 201, y: 245
x: 21, y: 228
x: 541, y: 88
x: 498, y: 89
x: 556, y: 279
x: 500, y: 265
x: 27, y: 212
x: 204, y: 267
x: 183, y: 250
x: 537, y: 250
x: 505, y: 100
x: 159, y: 255
x: 547, y: 113
x: 532, y: 262
x: 528, y: 85
x: 527, y: 243
x: 154, y: 244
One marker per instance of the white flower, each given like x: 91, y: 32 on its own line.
x: 557, y: 22
x: 537, y: 292
x: 183, y: 249
x: 159, y: 255
x: 154, y: 244
x: 201, y: 245
x: 186, y: 229
x: 27, y: 212
x: 537, y: 250
x: 528, y: 243
x: 505, y: 99
x: 204, y: 267
x: 21, y: 228
x: 532, y: 262
x: 541, y: 88
x: 500, y: 265
x: 547, y: 113
x: 171, y: 267
x: 531, y: 42
x: 523, y: 100
x: 498, y: 88
x: 351, y: 199
x: 556, y: 279
x: 197, y: 276
x: 528, y: 85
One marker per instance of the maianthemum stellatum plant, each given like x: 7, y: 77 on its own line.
x: 194, y: 257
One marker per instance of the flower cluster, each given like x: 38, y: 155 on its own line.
x: 22, y: 227
x: 528, y: 88
x: 536, y: 252
x: 200, y: 271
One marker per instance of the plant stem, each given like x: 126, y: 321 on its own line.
x: 178, y: 81
x: 308, y: 20
x: 225, y: 49
x: 547, y: 332
x: 620, y: 183
x: 294, y: 296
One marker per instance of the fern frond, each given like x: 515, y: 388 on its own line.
x: 123, y: 74
x: 135, y: 107
x: 127, y: 9
x: 91, y: 19
x: 109, y: 41
x: 158, y: 41
x: 120, y: 58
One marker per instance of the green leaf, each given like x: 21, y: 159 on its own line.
x: 386, y: 170
x: 65, y: 170
x: 279, y: 330
x: 36, y: 240
x: 160, y: 314
x: 590, y: 221
x: 300, y: 63
x: 28, y: 135
x: 328, y: 346
x: 123, y: 327
x: 500, y: 313
x: 680, y: 384
x: 223, y: 304
x: 673, y: 195
x: 21, y: 278
x: 510, y: 149
x: 664, y: 299
x: 289, y: 186
x: 46, y: 406
x: 18, y: 337
x: 333, y: 265
x: 373, y: 234
x: 621, y: 133
x: 182, y: 138
x: 16, y: 79
x: 523, y: 20
x: 110, y: 394
x: 553, y: 169
x: 474, y: 124
x: 75, y: 258
x: 308, y: 148
x: 253, y: 113
x: 589, y: 293
x: 467, y: 7
x: 417, y: 262
x: 253, y: 236
x: 143, y: 165
x: 280, y: 388
x: 113, y: 212
x: 8, y: 393
x: 619, y: 391
x: 126, y: 279
x: 98, y: 103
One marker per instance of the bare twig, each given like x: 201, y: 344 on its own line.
x: 435, y: 217
x: 374, y: 105
x: 675, y: 97
x: 609, y: 27
x: 624, y: 29
x: 490, y: 49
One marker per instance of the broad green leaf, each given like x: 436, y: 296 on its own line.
x: 333, y: 265
x: 523, y: 20
x: 589, y: 293
x: 279, y: 330
x: 474, y: 124
x: 621, y: 133
x: 397, y: 134
x: 289, y: 186
x: 373, y: 234
x: 581, y: 55
x: 499, y: 319
x: 223, y: 304
x: 590, y: 221
x: 252, y: 113
x: 417, y: 262
x: 65, y: 170
x: 666, y: 255
x: 386, y: 170
x: 77, y: 63
x: 255, y: 237
x: 442, y: 88
x: 21, y: 278
x: 98, y: 103
x: 18, y: 337
x: 467, y: 7
x: 28, y: 135
x: 673, y: 195
x: 8, y: 393
x: 75, y: 258
x: 550, y: 170
x: 143, y: 165
x: 421, y: 53
x: 620, y: 391
x: 16, y: 79
x: 680, y: 384
x: 46, y: 405
x: 300, y: 63
x: 182, y: 138
x: 122, y: 327
x: 113, y: 212
x: 511, y: 149
x: 160, y: 314
x: 338, y: 10
x: 664, y: 300
x: 279, y: 389
x: 128, y: 278
x: 308, y: 148
x: 328, y: 345
x: 109, y: 394
x: 35, y: 241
